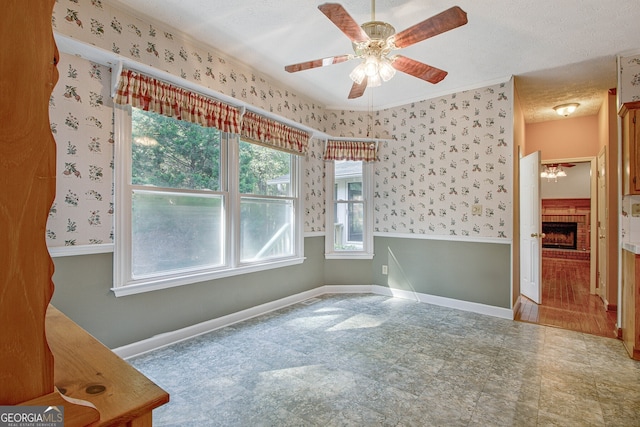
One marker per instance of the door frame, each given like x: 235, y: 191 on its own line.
x: 593, y: 229
x: 603, y: 240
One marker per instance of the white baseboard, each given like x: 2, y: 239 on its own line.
x: 168, y: 338
x: 173, y: 337
x: 473, y: 307
x: 348, y: 289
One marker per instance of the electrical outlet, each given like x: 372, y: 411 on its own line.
x: 635, y: 209
x: 476, y: 210
x: 385, y: 270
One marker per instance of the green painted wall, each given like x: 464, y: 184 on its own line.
x: 83, y: 283
x: 475, y: 272
x: 467, y: 271
x: 348, y: 272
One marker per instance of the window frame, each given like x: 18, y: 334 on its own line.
x: 123, y: 281
x: 367, y: 204
x: 293, y: 196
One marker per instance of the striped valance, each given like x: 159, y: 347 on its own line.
x: 274, y: 134
x: 149, y: 94
x: 351, y: 150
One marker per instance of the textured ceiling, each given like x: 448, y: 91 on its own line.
x: 558, y: 51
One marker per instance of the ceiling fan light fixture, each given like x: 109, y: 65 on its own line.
x: 374, y: 81
x: 371, y: 66
x: 552, y: 172
x: 386, y: 70
x: 566, y: 109
x: 358, y: 74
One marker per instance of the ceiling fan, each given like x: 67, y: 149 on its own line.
x: 374, y: 41
x: 555, y: 170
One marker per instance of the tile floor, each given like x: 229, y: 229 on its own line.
x: 369, y: 360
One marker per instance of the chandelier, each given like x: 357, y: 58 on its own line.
x: 552, y: 172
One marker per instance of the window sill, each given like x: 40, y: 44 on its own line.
x: 156, y: 284
x: 355, y: 255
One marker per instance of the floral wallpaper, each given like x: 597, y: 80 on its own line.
x: 100, y: 24
x: 448, y: 169
x: 629, y: 78
x: 81, y: 116
x: 313, y: 187
x: 445, y: 164
x: 361, y: 124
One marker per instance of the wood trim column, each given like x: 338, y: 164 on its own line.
x: 27, y: 189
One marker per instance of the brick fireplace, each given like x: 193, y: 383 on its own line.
x: 560, y: 235
x: 569, y: 221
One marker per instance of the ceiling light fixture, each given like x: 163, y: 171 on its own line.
x: 566, y: 109
x: 376, y: 65
x: 552, y: 172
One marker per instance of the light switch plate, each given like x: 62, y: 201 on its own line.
x: 635, y: 209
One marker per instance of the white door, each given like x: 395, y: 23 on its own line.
x: 530, y: 228
x: 602, y: 228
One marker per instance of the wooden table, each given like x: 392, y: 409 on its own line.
x: 85, y: 369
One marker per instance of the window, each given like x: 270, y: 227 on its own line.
x: 195, y: 203
x: 356, y: 211
x: 267, y: 214
x: 349, y: 221
x: 177, y: 206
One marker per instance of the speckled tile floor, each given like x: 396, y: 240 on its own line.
x: 370, y: 360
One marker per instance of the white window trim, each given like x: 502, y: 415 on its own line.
x: 367, y: 226
x: 294, y: 196
x: 125, y: 285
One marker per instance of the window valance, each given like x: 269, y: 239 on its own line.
x: 351, y: 150
x: 274, y: 134
x: 149, y: 94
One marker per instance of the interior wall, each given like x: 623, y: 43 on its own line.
x: 442, y: 156
x: 82, y: 292
x: 446, y: 155
x: 576, y: 185
x: 465, y: 271
x: 566, y: 138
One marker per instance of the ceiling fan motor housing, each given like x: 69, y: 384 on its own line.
x: 379, y: 43
x: 378, y: 30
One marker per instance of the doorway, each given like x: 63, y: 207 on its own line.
x: 570, y: 292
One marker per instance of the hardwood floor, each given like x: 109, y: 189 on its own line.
x: 566, y: 302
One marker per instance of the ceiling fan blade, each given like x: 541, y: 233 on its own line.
x: 357, y: 90
x: 418, y: 69
x: 341, y: 18
x: 317, y: 63
x: 440, y: 23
